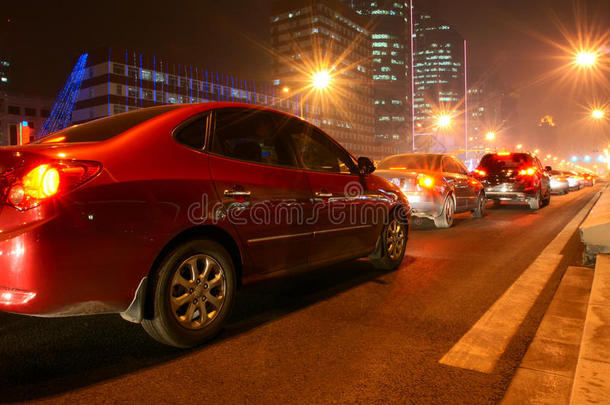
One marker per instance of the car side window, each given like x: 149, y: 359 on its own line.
x: 316, y: 152
x: 460, y: 166
x: 252, y: 136
x: 449, y: 166
x: 192, y: 134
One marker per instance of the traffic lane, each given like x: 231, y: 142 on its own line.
x: 346, y: 333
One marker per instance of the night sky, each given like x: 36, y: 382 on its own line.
x: 506, y: 43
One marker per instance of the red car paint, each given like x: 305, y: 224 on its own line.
x: 86, y: 250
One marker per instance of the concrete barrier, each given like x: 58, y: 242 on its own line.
x: 595, y: 229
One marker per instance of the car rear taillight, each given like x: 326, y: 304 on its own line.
x: 27, y: 187
x: 425, y: 181
x: 530, y: 171
x: 480, y: 172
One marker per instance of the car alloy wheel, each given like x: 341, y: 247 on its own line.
x: 394, y: 239
x: 197, y: 291
x: 445, y: 219
x: 191, y: 293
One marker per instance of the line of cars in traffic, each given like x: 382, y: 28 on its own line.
x: 160, y: 214
x: 438, y: 185
x: 564, y: 181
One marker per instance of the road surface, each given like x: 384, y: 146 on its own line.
x: 341, y: 334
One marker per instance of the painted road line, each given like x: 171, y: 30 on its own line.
x: 483, y: 345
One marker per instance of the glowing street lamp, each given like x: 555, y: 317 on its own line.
x: 490, y: 136
x: 586, y: 58
x: 321, y: 79
x: 519, y: 147
x: 443, y: 120
x: 598, y: 114
x: 285, y: 89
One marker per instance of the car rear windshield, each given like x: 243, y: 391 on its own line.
x: 510, y: 161
x: 415, y: 161
x: 105, y: 128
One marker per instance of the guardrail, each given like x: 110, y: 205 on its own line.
x: 595, y: 229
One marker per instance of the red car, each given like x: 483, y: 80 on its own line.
x: 159, y: 214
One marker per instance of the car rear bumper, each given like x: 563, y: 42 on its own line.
x: 425, y: 204
x: 507, y: 196
x: 46, y: 270
x: 560, y: 186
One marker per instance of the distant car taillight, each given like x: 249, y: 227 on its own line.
x: 425, y: 181
x: 530, y: 171
x: 480, y: 172
x: 27, y: 187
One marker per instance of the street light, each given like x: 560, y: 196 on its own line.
x: 490, y: 136
x: 586, y: 58
x: 443, y: 120
x: 285, y: 89
x: 598, y: 114
x: 321, y: 79
x: 519, y: 147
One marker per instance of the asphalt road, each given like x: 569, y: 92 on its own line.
x: 342, y: 334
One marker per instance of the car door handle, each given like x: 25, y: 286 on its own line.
x: 324, y: 194
x: 237, y: 193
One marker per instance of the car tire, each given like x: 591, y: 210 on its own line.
x: 445, y: 219
x: 392, y: 243
x: 479, y: 212
x: 196, y: 277
x: 536, y: 202
x: 547, y: 200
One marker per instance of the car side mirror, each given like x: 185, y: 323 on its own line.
x: 365, y: 165
x: 548, y: 168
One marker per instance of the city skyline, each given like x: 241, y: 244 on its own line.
x: 498, y: 46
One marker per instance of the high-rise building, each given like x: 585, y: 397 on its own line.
x: 439, y: 86
x: 486, y: 128
x: 322, y: 53
x: 116, y: 80
x: 4, y: 67
x: 390, y: 52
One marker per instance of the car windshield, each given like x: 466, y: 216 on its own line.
x: 104, y: 128
x: 501, y: 161
x: 413, y: 161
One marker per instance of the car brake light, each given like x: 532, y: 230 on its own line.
x: 398, y: 168
x: 425, y: 181
x: 26, y: 188
x: 480, y: 172
x: 503, y: 153
x: 529, y: 171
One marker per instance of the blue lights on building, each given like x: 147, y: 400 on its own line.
x: 61, y: 113
x: 110, y: 81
